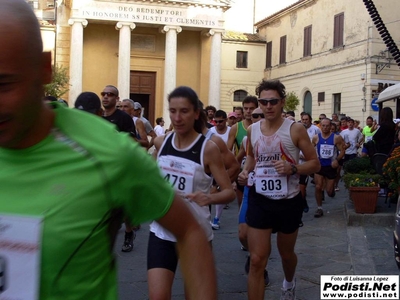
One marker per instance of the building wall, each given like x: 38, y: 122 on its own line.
x: 233, y: 78
x: 349, y: 70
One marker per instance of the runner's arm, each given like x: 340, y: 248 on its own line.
x: 231, y: 165
x: 144, y: 142
x: 302, y: 141
x: 153, y: 135
x: 340, y: 145
x: 250, y: 161
x: 314, y: 140
x: 157, y: 145
x: 195, y: 255
x: 214, y: 163
x: 232, y: 136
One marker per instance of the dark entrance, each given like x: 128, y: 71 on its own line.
x: 143, y: 90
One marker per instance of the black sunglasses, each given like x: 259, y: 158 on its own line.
x: 219, y: 121
x: 270, y: 101
x: 256, y: 116
x: 109, y: 94
x: 118, y: 106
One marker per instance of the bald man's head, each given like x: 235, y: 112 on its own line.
x: 24, y: 69
x: 18, y: 21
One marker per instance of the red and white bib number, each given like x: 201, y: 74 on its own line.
x: 326, y: 151
x: 179, y: 174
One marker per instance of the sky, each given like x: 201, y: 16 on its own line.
x: 240, y: 16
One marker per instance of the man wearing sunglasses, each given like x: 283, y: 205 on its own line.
x: 274, y: 201
x: 257, y: 115
x: 109, y: 98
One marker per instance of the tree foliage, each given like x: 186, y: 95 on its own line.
x: 59, y: 84
x: 292, y: 101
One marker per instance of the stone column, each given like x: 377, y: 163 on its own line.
x: 124, y: 58
x: 76, y: 58
x: 170, y: 65
x: 214, y: 92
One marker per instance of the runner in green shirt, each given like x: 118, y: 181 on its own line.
x: 66, y: 178
x: 368, y: 132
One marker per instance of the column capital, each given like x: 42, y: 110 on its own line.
x: 119, y: 25
x: 213, y: 31
x: 84, y: 22
x: 167, y: 28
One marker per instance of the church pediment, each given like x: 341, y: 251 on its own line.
x: 225, y: 4
x: 200, y: 14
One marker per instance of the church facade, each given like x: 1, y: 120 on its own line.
x: 145, y: 48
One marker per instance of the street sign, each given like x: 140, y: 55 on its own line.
x: 374, y: 106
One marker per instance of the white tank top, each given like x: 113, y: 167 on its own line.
x: 266, y: 149
x: 184, y: 168
x: 223, y: 136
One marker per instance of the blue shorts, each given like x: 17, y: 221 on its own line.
x: 364, y: 150
x: 243, y: 207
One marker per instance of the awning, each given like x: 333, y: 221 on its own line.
x: 389, y: 93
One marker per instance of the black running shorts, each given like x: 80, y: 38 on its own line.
x: 303, y: 179
x: 328, y: 172
x: 281, y: 215
x: 161, y: 254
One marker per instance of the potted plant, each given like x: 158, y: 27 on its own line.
x: 363, y: 184
x: 391, y: 171
x: 364, y: 194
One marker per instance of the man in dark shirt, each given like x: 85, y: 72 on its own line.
x: 125, y: 123
x: 109, y: 98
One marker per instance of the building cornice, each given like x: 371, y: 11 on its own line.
x: 276, y: 16
x: 223, y: 4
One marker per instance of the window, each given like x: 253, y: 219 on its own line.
x: 336, y: 103
x: 282, y: 52
x: 239, y: 95
x: 307, y: 41
x: 321, y: 97
x: 338, y: 30
x: 269, y: 55
x: 241, y: 59
x: 34, y: 4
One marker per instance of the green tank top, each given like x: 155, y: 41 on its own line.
x: 240, y: 134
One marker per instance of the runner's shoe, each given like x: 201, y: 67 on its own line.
x: 128, y: 243
x: 319, y: 213
x: 215, y: 224
x: 289, y: 294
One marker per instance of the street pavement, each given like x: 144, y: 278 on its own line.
x: 339, y: 243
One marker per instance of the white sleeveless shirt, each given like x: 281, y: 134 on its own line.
x: 267, y: 149
x: 184, y: 168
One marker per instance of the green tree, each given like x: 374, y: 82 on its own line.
x: 291, y: 101
x: 59, y: 84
